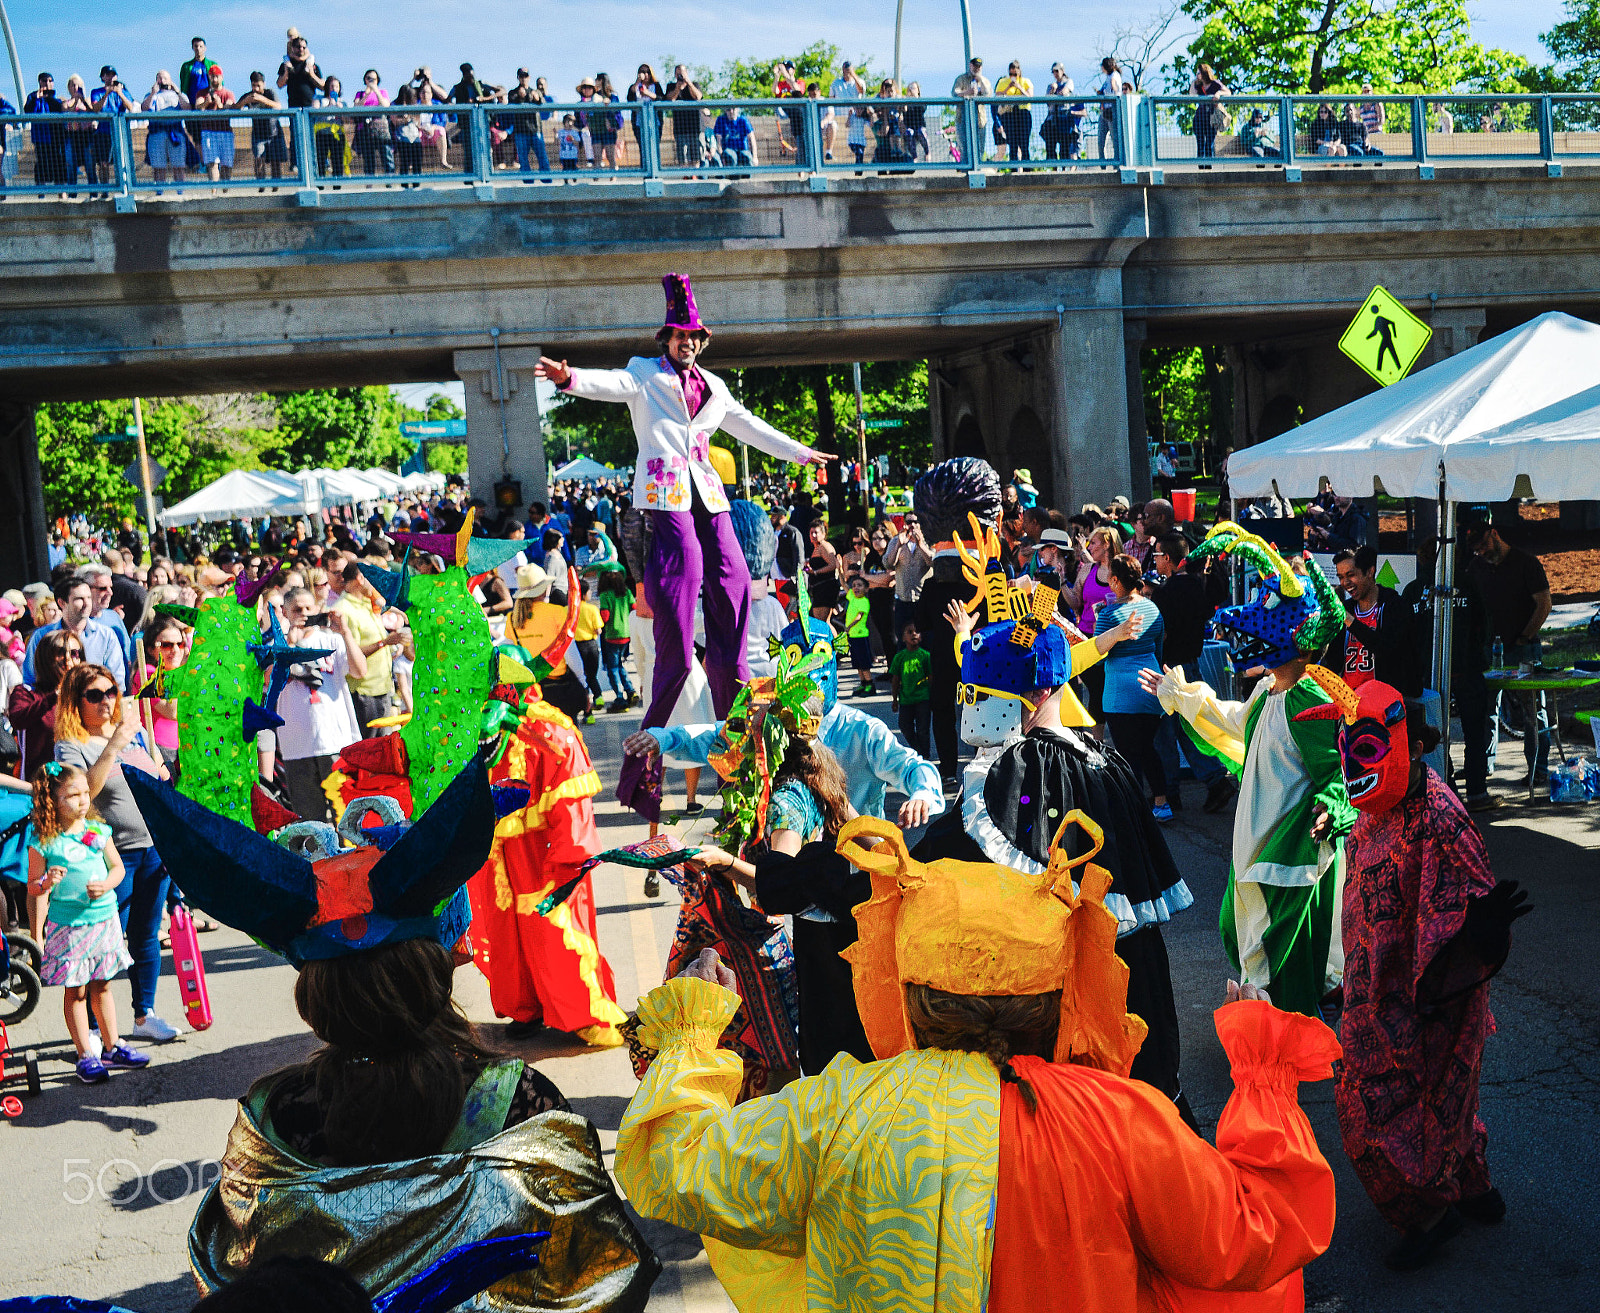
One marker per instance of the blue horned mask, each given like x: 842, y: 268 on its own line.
x: 806, y: 636
x: 1290, y: 616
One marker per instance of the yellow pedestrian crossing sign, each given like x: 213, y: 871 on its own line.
x: 1385, y: 338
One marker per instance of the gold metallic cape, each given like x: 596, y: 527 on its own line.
x: 386, y: 1222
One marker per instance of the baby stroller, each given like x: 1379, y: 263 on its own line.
x: 20, y: 956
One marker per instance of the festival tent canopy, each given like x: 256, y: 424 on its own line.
x: 240, y: 493
x: 341, y: 487
x: 1505, y: 417
x: 1551, y: 455
x: 584, y: 468
x: 390, y: 483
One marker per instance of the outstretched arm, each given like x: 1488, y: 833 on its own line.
x: 684, y: 1154
x: 1257, y: 1208
x: 1221, y: 725
x: 594, y: 384
x: 741, y: 424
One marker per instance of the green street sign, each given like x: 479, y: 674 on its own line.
x: 1385, y: 338
x: 886, y: 423
x: 129, y: 432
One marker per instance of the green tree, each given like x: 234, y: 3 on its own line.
x: 1574, y: 44
x: 337, y: 427
x: 1309, y: 47
x: 1188, y: 397
x: 751, y: 79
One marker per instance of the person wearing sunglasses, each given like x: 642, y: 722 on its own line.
x: 98, y: 732
x: 99, y: 640
x: 32, y: 708
x: 166, y: 645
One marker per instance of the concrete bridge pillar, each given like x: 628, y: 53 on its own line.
x: 24, y: 537
x: 505, y: 435
x: 1053, y: 401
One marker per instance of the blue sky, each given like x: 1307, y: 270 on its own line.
x: 566, y: 39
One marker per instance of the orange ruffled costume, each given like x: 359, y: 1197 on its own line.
x: 544, y: 967
x: 921, y: 1181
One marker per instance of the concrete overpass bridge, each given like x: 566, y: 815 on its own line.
x: 1030, y: 296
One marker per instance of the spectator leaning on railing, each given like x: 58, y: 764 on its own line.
x: 267, y: 145
x: 110, y: 97
x: 1013, y: 126
x: 685, y: 122
x: 972, y: 85
x: 1110, y: 85
x: 49, y: 139
x: 213, y: 138
x: 374, y: 135
x: 166, y: 144
x: 527, y: 133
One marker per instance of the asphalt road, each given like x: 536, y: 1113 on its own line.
x: 100, y: 1183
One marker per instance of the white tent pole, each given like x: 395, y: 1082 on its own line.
x: 1444, y: 605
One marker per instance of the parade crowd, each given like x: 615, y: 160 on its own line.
x: 977, y: 981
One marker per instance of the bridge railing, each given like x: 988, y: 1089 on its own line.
x: 1335, y: 131
x: 312, y: 151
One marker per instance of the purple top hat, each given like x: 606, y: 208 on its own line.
x: 681, y: 309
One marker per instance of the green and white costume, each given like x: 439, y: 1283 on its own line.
x: 1280, y: 913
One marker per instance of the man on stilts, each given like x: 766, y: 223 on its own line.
x: 676, y: 406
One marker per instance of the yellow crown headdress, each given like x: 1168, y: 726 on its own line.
x: 982, y: 929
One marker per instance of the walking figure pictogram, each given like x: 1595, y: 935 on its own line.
x: 1383, y: 330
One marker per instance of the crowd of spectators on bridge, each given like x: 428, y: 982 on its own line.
x: 408, y: 130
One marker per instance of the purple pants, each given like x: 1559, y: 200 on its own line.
x: 695, y: 554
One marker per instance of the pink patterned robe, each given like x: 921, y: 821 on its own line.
x: 1416, y: 1007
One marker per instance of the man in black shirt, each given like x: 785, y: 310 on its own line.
x: 1517, y: 592
x: 1378, y: 642
x: 298, y: 74
x: 526, y: 129
x: 1185, y: 611
x: 470, y: 91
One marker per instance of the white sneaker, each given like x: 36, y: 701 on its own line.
x: 153, y: 1028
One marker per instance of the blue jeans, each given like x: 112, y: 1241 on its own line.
x: 141, y: 898
x: 612, y: 656
x: 534, y: 141
x: 1207, y: 769
x: 1535, y: 745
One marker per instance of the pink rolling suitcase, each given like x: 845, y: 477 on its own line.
x: 190, y: 967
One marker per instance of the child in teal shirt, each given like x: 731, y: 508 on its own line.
x: 73, y: 874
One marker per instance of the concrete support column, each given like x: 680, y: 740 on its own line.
x: 1089, y: 377
x: 1134, y: 332
x: 24, y: 538
x: 502, y: 414
x: 1454, y: 330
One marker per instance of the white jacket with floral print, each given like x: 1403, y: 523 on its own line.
x: 673, y: 447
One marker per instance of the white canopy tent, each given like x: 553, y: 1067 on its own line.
x: 241, y: 493
x: 345, y: 487
x: 1516, y: 416
x: 1395, y: 440
x: 584, y: 468
x: 392, y: 484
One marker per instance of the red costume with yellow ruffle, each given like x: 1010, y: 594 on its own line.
x: 544, y: 967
